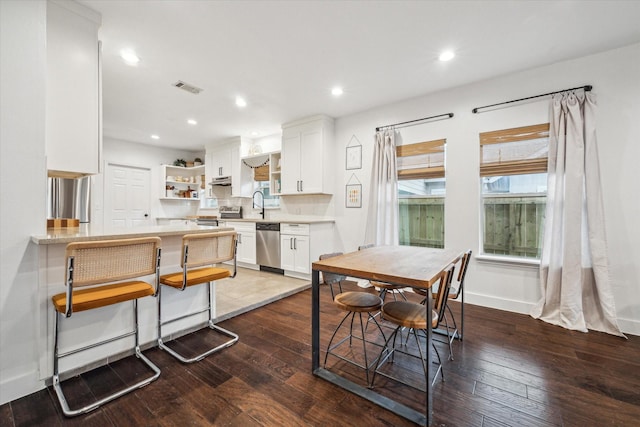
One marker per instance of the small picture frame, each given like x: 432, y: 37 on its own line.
x: 353, y: 196
x: 354, y: 157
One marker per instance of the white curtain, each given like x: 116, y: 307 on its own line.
x: 382, y: 220
x: 574, y: 268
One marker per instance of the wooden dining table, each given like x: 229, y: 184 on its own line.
x: 408, y: 266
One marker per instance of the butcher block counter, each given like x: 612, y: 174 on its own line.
x: 84, y: 328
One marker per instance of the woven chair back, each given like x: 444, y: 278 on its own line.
x: 208, y: 248
x: 106, y: 261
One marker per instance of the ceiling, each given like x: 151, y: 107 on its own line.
x: 284, y: 57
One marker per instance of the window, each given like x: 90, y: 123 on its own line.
x: 421, y: 191
x: 513, y: 174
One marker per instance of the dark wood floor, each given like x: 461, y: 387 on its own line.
x: 510, y: 370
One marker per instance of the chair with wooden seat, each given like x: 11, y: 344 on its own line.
x: 413, y: 316
x: 98, y: 274
x: 457, y: 289
x: 384, y: 288
x: 353, y: 302
x: 200, y: 254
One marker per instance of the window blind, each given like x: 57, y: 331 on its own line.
x: 422, y: 160
x: 515, y: 151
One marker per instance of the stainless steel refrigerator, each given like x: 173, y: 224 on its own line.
x: 69, y: 198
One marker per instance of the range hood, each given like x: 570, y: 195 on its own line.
x: 222, y: 180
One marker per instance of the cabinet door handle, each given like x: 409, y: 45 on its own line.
x: 295, y: 243
x: 291, y: 243
x: 301, y: 186
x: 220, y: 171
x: 239, y: 238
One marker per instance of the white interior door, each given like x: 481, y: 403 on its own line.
x: 127, y: 196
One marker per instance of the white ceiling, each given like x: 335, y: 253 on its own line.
x: 284, y: 57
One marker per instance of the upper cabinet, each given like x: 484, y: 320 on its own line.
x: 223, y: 160
x: 73, y: 111
x: 307, y: 147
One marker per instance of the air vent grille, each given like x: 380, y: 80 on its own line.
x: 186, y: 86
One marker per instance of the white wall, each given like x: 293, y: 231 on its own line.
x: 614, y: 75
x: 23, y: 195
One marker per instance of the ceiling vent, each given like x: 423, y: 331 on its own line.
x: 186, y: 86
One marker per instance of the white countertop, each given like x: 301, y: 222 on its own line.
x: 283, y: 220
x: 89, y: 232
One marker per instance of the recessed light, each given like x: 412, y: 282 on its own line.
x: 129, y: 57
x: 447, y: 55
x: 254, y: 133
x: 337, y: 91
x: 192, y: 122
x: 155, y: 137
x: 240, y: 102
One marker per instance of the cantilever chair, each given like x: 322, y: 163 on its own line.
x: 352, y: 302
x: 200, y: 252
x: 103, y: 269
x: 412, y: 315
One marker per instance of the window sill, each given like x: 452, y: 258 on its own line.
x: 497, y: 259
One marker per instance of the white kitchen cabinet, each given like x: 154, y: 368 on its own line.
x: 307, y: 156
x: 220, y: 163
x: 294, y: 252
x: 223, y: 160
x: 181, y: 183
x: 246, y: 254
x: 73, y: 105
x: 301, y: 244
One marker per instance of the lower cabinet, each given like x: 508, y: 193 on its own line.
x: 302, y: 244
x: 246, y: 254
x: 294, y: 252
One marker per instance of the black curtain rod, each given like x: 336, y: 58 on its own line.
x: 586, y: 88
x: 448, y: 115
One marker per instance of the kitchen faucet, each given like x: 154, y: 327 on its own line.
x: 253, y: 199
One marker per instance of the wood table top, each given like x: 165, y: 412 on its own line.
x: 401, y: 265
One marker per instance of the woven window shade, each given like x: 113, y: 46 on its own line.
x: 515, y: 151
x: 422, y: 160
x: 261, y: 173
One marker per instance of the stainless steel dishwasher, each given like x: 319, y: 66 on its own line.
x: 268, y: 246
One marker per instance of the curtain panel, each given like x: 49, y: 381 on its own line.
x: 382, y: 220
x: 574, y: 267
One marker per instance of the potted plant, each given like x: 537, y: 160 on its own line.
x: 180, y: 162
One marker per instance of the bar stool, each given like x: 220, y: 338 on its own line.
x: 457, y: 288
x: 95, y: 266
x: 352, y: 303
x: 413, y: 316
x: 200, y: 252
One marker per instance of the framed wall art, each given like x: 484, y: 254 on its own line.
x: 354, y: 196
x: 354, y: 154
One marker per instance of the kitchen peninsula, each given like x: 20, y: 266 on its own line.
x: 51, y: 274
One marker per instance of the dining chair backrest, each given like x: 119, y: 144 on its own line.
x: 462, y: 273
x: 208, y: 248
x: 444, y: 285
x: 106, y: 261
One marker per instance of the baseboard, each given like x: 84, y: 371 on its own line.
x: 627, y: 326
x: 504, y: 304
x: 20, y: 386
